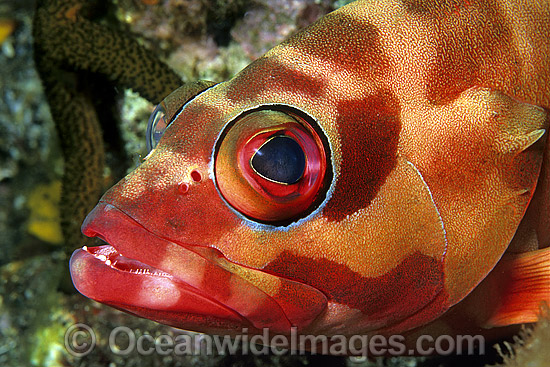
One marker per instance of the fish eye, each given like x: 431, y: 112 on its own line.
x: 156, y: 126
x: 168, y: 110
x: 273, y: 166
x: 281, y: 159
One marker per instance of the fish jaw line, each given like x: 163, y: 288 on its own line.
x: 105, y: 275
x: 136, y: 256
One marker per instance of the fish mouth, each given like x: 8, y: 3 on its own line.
x: 187, y: 286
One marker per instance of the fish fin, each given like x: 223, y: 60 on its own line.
x: 524, y: 284
x: 530, y: 138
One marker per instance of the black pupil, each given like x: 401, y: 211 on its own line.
x: 281, y: 159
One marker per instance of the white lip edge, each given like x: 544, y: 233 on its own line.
x: 263, y: 226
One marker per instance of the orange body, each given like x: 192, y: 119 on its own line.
x: 361, y: 178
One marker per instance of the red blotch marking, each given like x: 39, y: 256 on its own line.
x: 336, y: 39
x: 369, y: 132
x: 473, y: 49
x: 345, y: 40
x: 269, y: 74
x: 391, y: 297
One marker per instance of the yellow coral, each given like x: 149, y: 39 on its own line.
x: 44, y: 220
x: 6, y: 28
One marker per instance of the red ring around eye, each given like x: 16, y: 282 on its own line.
x: 255, y: 196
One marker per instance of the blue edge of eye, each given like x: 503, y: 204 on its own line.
x: 280, y: 159
x: 153, y: 135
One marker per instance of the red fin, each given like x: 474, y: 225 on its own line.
x: 523, y: 284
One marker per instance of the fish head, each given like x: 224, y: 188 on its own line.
x: 235, y: 219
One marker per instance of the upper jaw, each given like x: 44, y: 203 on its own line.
x: 186, y: 286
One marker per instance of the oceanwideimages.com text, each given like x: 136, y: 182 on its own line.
x: 80, y: 340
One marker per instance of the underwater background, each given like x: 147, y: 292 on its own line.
x: 200, y: 40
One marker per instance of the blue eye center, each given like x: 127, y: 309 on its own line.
x: 281, y: 159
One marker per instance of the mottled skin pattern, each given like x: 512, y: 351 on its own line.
x: 71, y: 53
x: 435, y: 116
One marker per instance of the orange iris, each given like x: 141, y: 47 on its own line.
x: 271, y: 166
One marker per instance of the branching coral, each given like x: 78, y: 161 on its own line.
x: 72, y: 54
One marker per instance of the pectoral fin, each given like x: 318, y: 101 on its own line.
x: 522, y: 284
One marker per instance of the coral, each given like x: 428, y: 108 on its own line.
x: 43, y: 203
x: 68, y: 47
x: 6, y: 28
x: 28, y: 147
x: 531, y: 345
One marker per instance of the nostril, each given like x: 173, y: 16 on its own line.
x: 196, y: 176
x: 183, y: 188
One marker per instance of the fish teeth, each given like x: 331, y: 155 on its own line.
x: 148, y: 272
x: 112, y: 263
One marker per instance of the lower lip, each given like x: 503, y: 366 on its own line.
x: 104, y: 275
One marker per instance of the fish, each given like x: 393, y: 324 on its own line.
x: 383, y: 171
